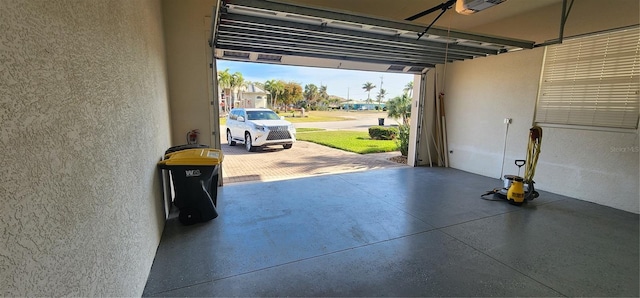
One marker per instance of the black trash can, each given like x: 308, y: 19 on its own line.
x: 194, y: 175
x: 381, y: 121
x: 184, y: 147
x: 180, y: 148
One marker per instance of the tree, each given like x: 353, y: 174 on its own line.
x: 311, y: 94
x: 224, y: 83
x: 368, y: 86
x: 237, y: 84
x: 292, y: 93
x: 381, y: 94
x: 403, y: 139
x: 334, y: 100
x: 323, y: 92
x: 400, y: 107
x: 323, y: 95
x: 275, y: 89
x: 408, y: 88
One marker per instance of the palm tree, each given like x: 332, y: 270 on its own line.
x: 408, y: 88
x: 323, y: 96
x: 311, y: 94
x: 400, y: 107
x: 224, y: 83
x: 237, y: 84
x: 368, y: 86
x: 381, y: 94
x: 322, y: 92
x: 275, y: 89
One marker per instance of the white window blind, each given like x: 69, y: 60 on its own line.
x: 592, y: 81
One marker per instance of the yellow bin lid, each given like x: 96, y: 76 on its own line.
x: 193, y: 157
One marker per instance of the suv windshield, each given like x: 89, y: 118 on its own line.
x: 262, y: 115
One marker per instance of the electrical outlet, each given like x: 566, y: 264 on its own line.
x: 507, y: 120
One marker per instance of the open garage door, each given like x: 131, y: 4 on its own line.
x: 273, y: 32
x: 289, y: 34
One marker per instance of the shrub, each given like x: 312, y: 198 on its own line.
x: 383, y: 133
x: 403, y: 139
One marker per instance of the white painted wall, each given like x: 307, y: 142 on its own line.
x: 479, y: 94
x: 186, y: 26
x: 83, y: 121
x: 587, y: 165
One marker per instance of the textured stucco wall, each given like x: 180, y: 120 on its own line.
x: 83, y: 120
x: 595, y: 166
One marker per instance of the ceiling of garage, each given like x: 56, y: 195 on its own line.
x: 299, y: 34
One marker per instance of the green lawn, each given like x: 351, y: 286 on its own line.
x: 305, y: 129
x: 354, y: 141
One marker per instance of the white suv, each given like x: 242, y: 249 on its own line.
x: 259, y: 127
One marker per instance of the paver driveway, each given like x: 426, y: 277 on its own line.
x: 303, y: 160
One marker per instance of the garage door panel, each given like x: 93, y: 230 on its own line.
x: 263, y: 27
x: 320, y: 54
x: 345, y: 49
x: 296, y: 40
x: 309, y: 14
x: 247, y: 29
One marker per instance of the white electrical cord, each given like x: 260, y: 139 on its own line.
x: 504, y: 151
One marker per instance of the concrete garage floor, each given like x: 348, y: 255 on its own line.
x: 397, y: 232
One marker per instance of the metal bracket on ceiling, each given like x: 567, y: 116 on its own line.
x: 563, y: 20
x: 444, y: 6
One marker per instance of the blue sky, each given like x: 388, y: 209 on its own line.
x: 338, y: 81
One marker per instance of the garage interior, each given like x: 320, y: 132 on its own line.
x: 91, y: 100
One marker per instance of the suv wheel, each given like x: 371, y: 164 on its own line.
x: 287, y: 146
x: 230, y: 140
x: 247, y: 142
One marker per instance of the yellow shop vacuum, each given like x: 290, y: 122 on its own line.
x: 518, y: 190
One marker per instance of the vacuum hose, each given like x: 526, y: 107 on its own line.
x: 533, y: 151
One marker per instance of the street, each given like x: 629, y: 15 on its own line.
x: 361, y: 122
